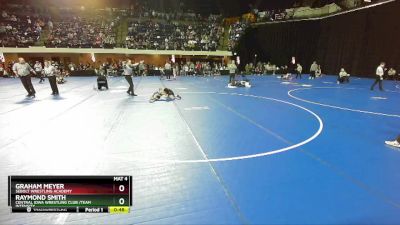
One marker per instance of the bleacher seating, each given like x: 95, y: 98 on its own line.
x: 19, y: 30
x: 174, y: 36
x: 83, y: 32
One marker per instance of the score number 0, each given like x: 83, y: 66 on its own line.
x: 121, y: 188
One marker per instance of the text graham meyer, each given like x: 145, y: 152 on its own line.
x: 39, y: 186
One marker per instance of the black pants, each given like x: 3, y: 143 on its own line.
x: 141, y: 72
x: 168, y: 74
x: 102, y: 82
x: 26, y: 81
x: 312, y: 74
x: 53, y: 84
x: 130, y: 82
x: 377, y: 80
x: 231, y: 77
x: 41, y: 76
x: 344, y: 79
x: 298, y: 75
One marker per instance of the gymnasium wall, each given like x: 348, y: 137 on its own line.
x: 357, y: 41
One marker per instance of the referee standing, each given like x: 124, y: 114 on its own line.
x: 49, y: 71
x: 380, y: 71
x: 39, y: 71
x: 23, y: 70
x: 232, y: 71
x: 168, y: 70
x: 128, y: 72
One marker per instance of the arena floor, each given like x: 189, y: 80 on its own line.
x: 299, y: 152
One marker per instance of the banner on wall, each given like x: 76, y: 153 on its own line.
x: 2, y: 58
x: 93, y: 57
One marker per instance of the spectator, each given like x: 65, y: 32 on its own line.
x: 318, y: 72
x: 2, y: 69
x: 299, y: 70
x: 235, y: 32
x: 343, y: 77
x: 313, y: 70
x: 392, y: 74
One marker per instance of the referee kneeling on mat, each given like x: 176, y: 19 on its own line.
x: 50, y: 72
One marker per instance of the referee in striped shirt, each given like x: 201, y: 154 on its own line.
x: 380, y: 71
x: 128, y: 73
x: 23, y: 71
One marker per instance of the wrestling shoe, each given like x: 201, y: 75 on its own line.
x: 393, y: 143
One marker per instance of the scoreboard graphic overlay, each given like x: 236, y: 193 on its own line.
x: 70, y: 194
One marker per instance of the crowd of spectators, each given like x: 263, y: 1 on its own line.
x: 289, y: 14
x: 268, y: 68
x: 153, y: 30
x: 181, y: 68
x: 80, y: 67
x: 236, y: 30
x: 199, y: 68
x: 187, y: 16
x: 20, y: 30
x: 142, y: 10
x: 21, y: 26
x: 168, y: 16
x: 273, y: 15
x: 83, y: 32
x: 164, y: 35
